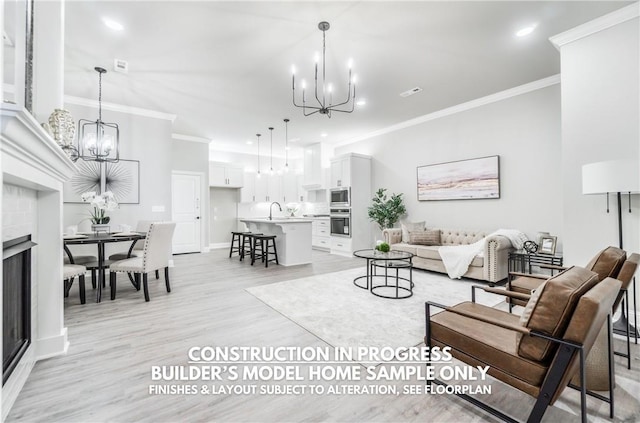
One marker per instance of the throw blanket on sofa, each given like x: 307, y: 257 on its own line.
x: 457, y: 258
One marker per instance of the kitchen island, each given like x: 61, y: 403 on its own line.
x: 293, y: 237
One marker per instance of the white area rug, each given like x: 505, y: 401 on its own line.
x: 332, y: 308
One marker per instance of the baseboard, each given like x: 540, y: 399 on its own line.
x: 206, y: 249
x: 52, y: 346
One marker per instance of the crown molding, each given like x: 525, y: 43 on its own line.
x: 80, y: 101
x: 482, y: 101
x: 599, y: 24
x: 191, y: 138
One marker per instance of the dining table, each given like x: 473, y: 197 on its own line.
x: 100, y: 239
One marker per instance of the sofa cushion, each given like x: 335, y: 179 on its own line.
x: 410, y: 227
x: 552, y: 311
x: 425, y: 237
x: 405, y: 247
x: 431, y: 252
x: 607, y: 263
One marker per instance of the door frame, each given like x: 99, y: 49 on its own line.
x: 204, y: 205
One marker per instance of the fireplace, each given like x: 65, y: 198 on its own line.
x: 16, y: 302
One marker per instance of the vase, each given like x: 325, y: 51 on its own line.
x: 62, y: 127
x: 100, y: 227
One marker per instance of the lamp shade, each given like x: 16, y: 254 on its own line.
x: 611, y: 176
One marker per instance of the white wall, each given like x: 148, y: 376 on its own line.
x: 600, y: 110
x: 523, y: 130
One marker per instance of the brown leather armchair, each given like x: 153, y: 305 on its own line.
x: 607, y: 263
x: 539, y: 355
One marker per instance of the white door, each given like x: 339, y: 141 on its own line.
x: 185, y: 207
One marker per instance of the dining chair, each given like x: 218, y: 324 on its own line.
x: 155, y: 256
x: 136, y: 248
x: 69, y: 272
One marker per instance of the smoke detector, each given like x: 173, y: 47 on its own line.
x: 120, y: 65
x: 412, y: 91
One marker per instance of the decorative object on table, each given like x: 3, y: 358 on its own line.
x: 98, y: 141
x: 325, y: 105
x: 540, y: 236
x: 101, y: 204
x: 292, y: 209
x: 460, y: 180
x: 383, y: 247
x: 620, y: 177
x: 63, y: 131
x: 530, y: 247
x: 386, y: 211
x: 547, y: 245
x: 122, y: 179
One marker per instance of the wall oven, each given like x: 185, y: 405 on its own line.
x: 340, y: 221
x: 340, y: 197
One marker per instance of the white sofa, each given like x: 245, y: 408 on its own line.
x: 492, y: 266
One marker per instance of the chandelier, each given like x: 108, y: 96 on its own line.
x: 324, y: 93
x: 98, y: 141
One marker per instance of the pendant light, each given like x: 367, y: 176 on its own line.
x: 258, y: 174
x: 286, y: 145
x: 99, y: 141
x: 271, y: 165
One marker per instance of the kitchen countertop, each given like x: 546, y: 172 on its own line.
x: 278, y: 220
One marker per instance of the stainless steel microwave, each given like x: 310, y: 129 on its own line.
x: 340, y: 197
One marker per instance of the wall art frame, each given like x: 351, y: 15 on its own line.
x: 470, y: 179
x: 122, y: 178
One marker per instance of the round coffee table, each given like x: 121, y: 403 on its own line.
x: 395, y: 260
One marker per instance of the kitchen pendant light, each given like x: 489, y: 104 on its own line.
x: 258, y: 174
x: 286, y: 145
x: 99, y: 141
x: 271, y: 144
x: 325, y: 106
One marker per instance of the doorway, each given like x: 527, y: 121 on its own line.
x: 186, y: 211
x: 224, y: 215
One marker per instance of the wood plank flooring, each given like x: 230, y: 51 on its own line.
x: 106, y: 374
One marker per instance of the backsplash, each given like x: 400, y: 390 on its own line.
x: 19, y: 211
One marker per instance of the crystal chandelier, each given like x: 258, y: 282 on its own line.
x: 324, y: 93
x: 99, y: 141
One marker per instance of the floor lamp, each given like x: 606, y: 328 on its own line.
x: 620, y: 177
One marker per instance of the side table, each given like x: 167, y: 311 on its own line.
x: 521, y: 261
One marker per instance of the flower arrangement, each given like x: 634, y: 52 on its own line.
x: 101, y: 204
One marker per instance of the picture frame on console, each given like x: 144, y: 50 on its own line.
x: 470, y: 179
x: 547, y: 245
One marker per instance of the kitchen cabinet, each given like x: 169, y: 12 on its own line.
x: 268, y: 188
x: 340, y: 172
x: 316, y: 158
x: 248, y: 191
x: 225, y: 175
x: 320, y: 234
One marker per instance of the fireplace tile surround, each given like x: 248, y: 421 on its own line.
x: 34, y: 169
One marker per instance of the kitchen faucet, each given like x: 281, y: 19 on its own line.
x: 271, y: 209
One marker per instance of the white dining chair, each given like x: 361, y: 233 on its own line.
x: 156, y: 253
x: 137, y: 247
x: 69, y: 272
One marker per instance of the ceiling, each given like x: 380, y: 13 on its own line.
x: 224, y: 68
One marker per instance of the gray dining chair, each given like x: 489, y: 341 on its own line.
x: 156, y: 253
x: 137, y: 246
x: 71, y: 271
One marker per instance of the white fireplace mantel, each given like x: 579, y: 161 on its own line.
x: 31, y: 159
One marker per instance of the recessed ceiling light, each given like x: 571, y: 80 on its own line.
x: 110, y: 23
x: 526, y: 31
x: 361, y: 102
x: 324, y: 135
x: 249, y: 142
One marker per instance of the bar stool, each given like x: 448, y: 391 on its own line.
x: 246, y: 246
x: 236, y: 236
x: 267, y: 245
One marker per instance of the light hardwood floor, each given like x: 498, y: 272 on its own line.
x: 106, y: 374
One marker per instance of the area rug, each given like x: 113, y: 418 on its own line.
x: 343, y: 315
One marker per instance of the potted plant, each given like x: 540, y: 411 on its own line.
x: 386, y: 211
x: 101, y: 204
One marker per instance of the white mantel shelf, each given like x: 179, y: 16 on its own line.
x: 293, y: 237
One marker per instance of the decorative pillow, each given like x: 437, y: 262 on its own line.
x: 531, y: 305
x: 410, y: 227
x: 426, y: 237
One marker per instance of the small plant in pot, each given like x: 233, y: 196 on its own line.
x: 386, y: 211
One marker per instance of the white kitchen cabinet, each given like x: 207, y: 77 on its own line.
x: 316, y: 158
x: 225, y: 175
x: 248, y: 191
x: 341, y: 172
x: 268, y: 188
x: 320, y: 234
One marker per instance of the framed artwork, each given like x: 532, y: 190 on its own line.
x: 460, y: 180
x: 547, y: 245
x: 122, y: 178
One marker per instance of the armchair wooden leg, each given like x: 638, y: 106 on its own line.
x: 166, y: 278
x: 112, y: 284
x: 83, y: 298
x: 136, y: 277
x: 145, y: 286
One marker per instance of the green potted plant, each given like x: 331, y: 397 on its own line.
x: 386, y: 211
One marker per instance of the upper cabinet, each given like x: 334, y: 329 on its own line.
x: 225, y: 175
x: 340, y: 172
x: 316, y: 158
